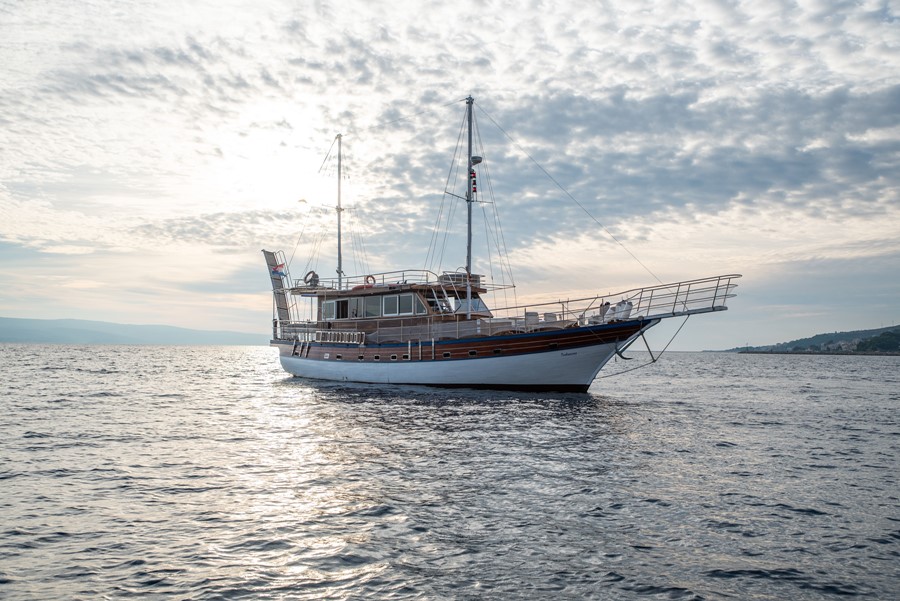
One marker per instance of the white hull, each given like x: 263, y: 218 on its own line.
x: 572, y: 369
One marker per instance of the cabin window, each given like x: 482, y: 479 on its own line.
x: 473, y: 353
x: 405, y: 306
x: 420, y: 306
x: 328, y: 310
x: 446, y: 355
x: 393, y: 357
x: 361, y: 357
x: 406, y: 357
x: 338, y: 357
x: 390, y: 305
x: 373, y: 306
x: 377, y: 357
x: 342, y: 309
x: 477, y: 305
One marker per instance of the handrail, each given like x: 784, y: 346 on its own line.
x: 403, y: 276
x: 393, y: 278
x: 651, y: 302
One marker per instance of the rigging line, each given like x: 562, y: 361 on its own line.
x: 327, y: 154
x: 625, y: 371
x: 431, y: 255
x: 572, y: 198
x: 351, y: 239
x: 300, y: 237
x: 455, y: 174
x: 451, y: 209
x: 487, y: 237
x: 500, y: 242
x: 314, y: 253
x: 432, y: 243
x: 361, y: 242
x: 496, y: 233
x: 502, y: 248
x: 686, y: 317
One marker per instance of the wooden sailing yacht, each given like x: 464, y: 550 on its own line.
x: 419, y: 327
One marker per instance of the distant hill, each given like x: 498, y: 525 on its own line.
x: 80, y: 331
x: 859, y: 341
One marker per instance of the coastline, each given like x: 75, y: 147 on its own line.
x: 854, y: 353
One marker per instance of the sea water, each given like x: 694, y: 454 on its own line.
x: 208, y: 473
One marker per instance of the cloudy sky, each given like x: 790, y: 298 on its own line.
x: 149, y: 150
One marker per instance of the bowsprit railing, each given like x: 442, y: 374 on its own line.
x: 682, y: 298
x: 665, y: 300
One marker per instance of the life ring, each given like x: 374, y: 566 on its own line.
x: 370, y: 280
x: 311, y: 278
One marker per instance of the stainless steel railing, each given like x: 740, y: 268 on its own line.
x: 651, y: 302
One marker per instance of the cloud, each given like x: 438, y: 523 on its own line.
x: 768, y: 129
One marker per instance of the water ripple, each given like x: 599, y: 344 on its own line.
x: 206, y: 473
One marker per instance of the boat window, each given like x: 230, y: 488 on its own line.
x: 390, y: 305
x: 405, y: 304
x: 357, y: 307
x: 342, y: 309
x: 328, y: 310
x: 373, y: 306
x: 420, y: 306
x: 477, y: 305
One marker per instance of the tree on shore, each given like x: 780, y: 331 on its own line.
x: 885, y: 342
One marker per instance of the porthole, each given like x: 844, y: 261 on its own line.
x: 361, y: 357
x: 497, y: 351
x: 446, y: 355
x: 377, y: 357
x: 338, y: 357
x: 406, y: 357
x: 473, y: 353
x: 393, y: 357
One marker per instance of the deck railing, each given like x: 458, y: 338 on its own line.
x: 652, y: 302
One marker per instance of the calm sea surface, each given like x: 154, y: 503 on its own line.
x: 208, y: 473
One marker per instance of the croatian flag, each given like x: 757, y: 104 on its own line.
x: 278, y: 270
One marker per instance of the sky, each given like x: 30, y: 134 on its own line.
x: 150, y: 150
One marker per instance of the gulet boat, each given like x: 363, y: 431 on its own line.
x: 416, y: 326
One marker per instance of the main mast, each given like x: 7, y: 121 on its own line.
x: 340, y: 271
x: 469, y: 198
x: 470, y: 183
